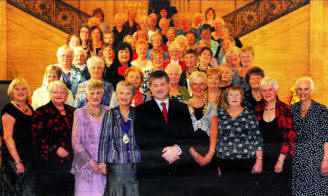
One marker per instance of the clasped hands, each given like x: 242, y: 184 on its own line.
x: 170, y: 154
x: 202, y: 161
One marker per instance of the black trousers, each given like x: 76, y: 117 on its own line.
x: 236, y: 177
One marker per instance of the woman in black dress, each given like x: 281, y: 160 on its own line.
x: 204, y: 119
x: 16, y: 174
x: 277, y: 130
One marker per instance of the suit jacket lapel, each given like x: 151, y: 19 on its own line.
x: 157, y: 113
x: 170, y: 112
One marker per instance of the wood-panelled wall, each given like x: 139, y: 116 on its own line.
x: 185, y: 8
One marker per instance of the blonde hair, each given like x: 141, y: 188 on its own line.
x: 93, y: 85
x: 197, y: 74
x: 80, y: 49
x: 218, y: 19
x: 247, y: 49
x: 173, y: 66
x: 53, y: 68
x: 156, y: 52
x: 15, y: 82
x: 227, y: 67
x: 133, y: 69
x: 129, y: 38
x: 139, y: 32
x: 181, y: 38
x: 156, y: 35
x: 174, y: 45
x: 56, y: 84
x: 143, y: 17
x: 162, y: 21
x: 122, y: 84
x: 142, y: 42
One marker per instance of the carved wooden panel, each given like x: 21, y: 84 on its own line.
x: 54, y: 12
x: 241, y: 21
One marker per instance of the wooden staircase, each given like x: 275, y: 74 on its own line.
x: 242, y: 21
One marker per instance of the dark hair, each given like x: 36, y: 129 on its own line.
x: 85, y: 26
x: 123, y: 46
x: 207, y: 11
x: 68, y: 39
x: 108, y: 46
x: 94, y: 28
x: 158, y: 75
x: 190, y: 51
x: 256, y: 71
x: 101, y: 35
x: 99, y: 11
x: 205, y: 27
x: 234, y: 88
x: 192, y: 32
x: 205, y: 48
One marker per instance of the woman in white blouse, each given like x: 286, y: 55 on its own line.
x: 41, y: 95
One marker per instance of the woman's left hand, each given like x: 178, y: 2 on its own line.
x: 324, y: 167
x: 278, y: 168
x: 257, y: 168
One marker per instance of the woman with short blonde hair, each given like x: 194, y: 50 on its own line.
x: 142, y: 62
x: 117, y: 142
x: 16, y: 175
x: 175, y: 90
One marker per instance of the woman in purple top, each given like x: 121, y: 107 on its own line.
x: 85, y: 142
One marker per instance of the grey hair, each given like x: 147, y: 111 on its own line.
x: 53, y: 85
x: 63, y: 49
x: 94, y: 60
x: 306, y: 78
x: 270, y: 81
x: 80, y: 49
x: 172, y: 66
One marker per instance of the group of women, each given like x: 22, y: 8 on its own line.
x: 78, y: 137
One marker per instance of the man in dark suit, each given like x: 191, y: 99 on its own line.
x: 162, y: 128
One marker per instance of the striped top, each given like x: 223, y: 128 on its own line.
x: 117, y: 141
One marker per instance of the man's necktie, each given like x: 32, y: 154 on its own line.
x: 164, y: 111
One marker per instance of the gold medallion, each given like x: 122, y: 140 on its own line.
x: 126, y: 139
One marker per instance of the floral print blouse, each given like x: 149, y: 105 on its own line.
x: 240, y: 137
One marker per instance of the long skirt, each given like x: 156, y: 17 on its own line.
x: 12, y: 184
x: 121, y: 180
